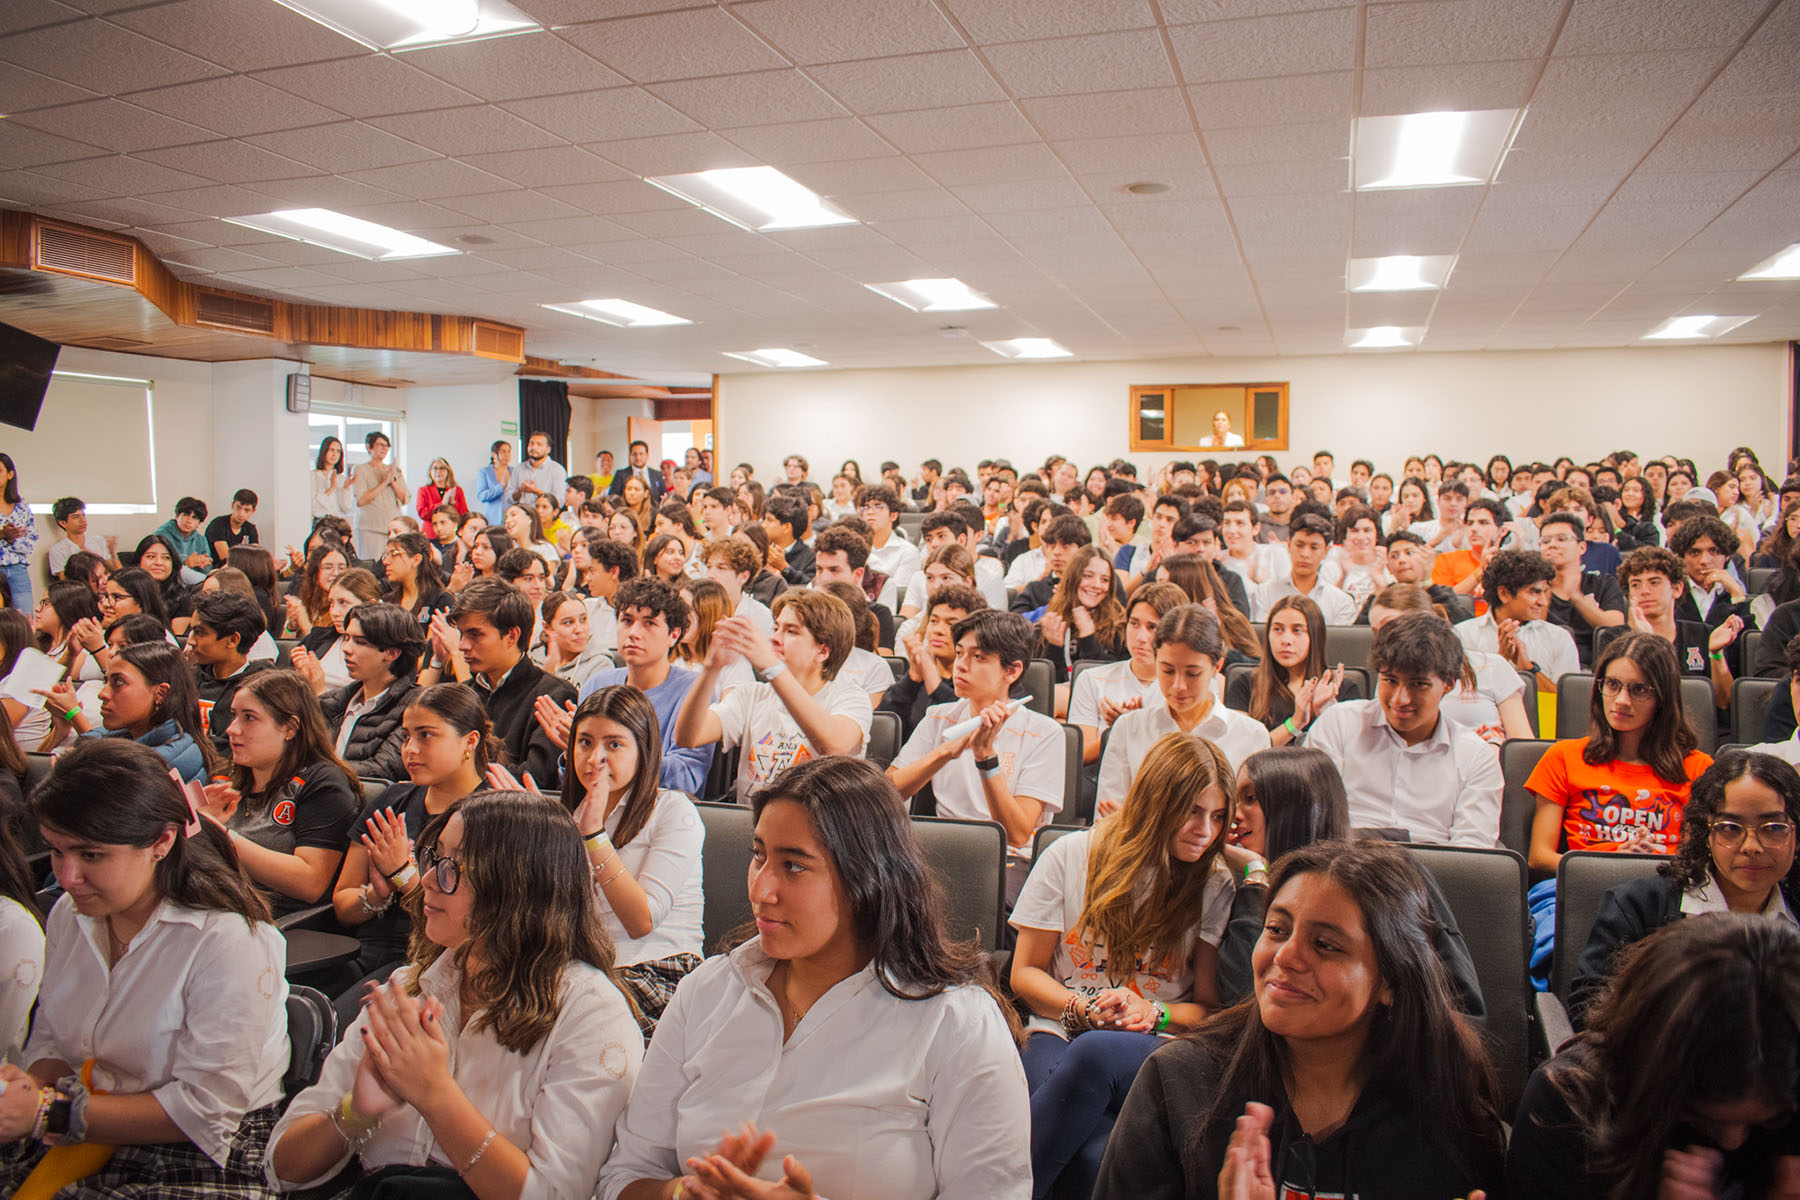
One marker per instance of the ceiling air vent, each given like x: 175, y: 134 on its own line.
x: 115, y: 343
x: 234, y: 312
x: 499, y: 341
x: 81, y: 252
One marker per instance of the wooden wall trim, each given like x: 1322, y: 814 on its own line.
x: 308, y: 324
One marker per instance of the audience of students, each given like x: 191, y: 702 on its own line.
x: 382, y: 647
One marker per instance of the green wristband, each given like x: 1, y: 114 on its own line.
x: 72, y: 714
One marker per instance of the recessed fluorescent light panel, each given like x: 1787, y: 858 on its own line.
x: 1434, y: 149
x: 1385, y: 337
x: 760, y: 199
x: 1029, y: 347
x: 412, y: 24
x: 775, y: 356
x: 932, y: 295
x: 346, y: 235
x: 1400, y: 273
x: 1785, y: 265
x: 619, y: 312
x: 1693, y: 327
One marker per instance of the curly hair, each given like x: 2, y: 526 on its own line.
x: 1692, y: 864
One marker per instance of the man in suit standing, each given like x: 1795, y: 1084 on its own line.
x: 640, y: 457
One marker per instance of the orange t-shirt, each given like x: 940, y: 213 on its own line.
x: 1606, y: 804
x: 1452, y: 567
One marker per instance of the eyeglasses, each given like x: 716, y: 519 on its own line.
x: 447, y: 871
x: 1637, y: 691
x: 1768, y: 833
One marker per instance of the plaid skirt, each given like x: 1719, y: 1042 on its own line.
x: 169, y: 1171
x: 651, y: 985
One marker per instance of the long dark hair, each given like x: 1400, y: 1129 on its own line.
x: 427, y: 580
x: 162, y: 665
x: 258, y: 566
x: 1704, y: 1010
x: 533, y: 914
x: 15, y: 872
x: 114, y: 792
x: 15, y: 634
x: 11, y: 494
x: 172, y: 588
x: 1422, y: 1054
x: 1301, y: 796
x: 288, y: 697
x: 1692, y: 864
x: 1271, y: 680
x: 316, y: 600
x: 1670, y: 738
x: 338, y: 467
x: 896, y: 910
x: 144, y: 592
x: 457, y: 705
x: 629, y: 707
x: 71, y: 602
x: 1202, y: 582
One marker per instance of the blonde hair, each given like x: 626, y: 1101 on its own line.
x: 449, y: 473
x: 1140, y: 903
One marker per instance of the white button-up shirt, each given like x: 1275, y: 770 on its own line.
x: 664, y: 858
x: 1445, y: 789
x: 22, y: 968
x: 194, y: 1013
x: 1237, y: 736
x: 1334, y: 602
x: 557, y: 1102
x: 879, y: 1098
x: 899, y: 560
x: 1552, y: 647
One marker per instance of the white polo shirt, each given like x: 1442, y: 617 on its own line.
x: 1237, y: 736
x: 1030, y: 749
x: 1334, y: 602
x: 1551, y: 647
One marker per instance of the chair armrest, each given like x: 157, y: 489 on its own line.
x: 1552, y: 1021
x: 320, y: 916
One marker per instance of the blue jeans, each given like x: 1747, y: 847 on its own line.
x: 18, y: 580
x: 1077, y: 1088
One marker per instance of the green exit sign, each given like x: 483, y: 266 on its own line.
x: 509, y: 429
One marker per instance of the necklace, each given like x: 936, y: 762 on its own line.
x: 119, y: 947
x: 781, y: 997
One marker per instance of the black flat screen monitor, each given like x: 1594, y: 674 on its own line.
x: 26, y: 361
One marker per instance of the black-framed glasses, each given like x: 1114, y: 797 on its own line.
x: 1775, y: 832
x: 1298, y: 1169
x: 447, y: 870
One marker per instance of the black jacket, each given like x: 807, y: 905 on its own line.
x: 373, y: 750
x: 1628, y: 914
x: 510, y: 708
x: 1380, y: 1151
x: 1783, y: 624
x: 765, y: 585
x: 215, y: 700
x: 801, y: 565
x: 908, y: 700
x: 1234, y: 975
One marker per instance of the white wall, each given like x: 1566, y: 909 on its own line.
x: 1697, y: 401
x: 458, y: 424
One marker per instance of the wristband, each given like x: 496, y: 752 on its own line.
x: 773, y: 672
x: 1162, y: 1015
x: 76, y: 711
x: 405, y: 877
x: 1290, y: 727
x: 1255, y: 867
x: 598, y: 843
x: 1716, y: 655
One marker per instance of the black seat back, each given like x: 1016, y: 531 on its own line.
x: 725, y: 871
x: 1574, y: 690
x: 1518, y: 807
x: 312, y: 1032
x: 884, y: 739
x: 1582, y: 878
x: 968, y: 861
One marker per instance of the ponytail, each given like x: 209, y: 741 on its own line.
x: 457, y: 705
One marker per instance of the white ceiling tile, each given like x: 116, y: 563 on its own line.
x: 1652, y: 187
x: 345, y: 146
x: 674, y: 45
x: 322, y: 191
x: 22, y: 146
x: 1095, y: 62
x: 963, y: 127
x: 481, y: 129
x: 1541, y: 227
x: 102, y: 57
x: 1782, y: 26
x: 22, y: 90
x: 1420, y: 221
x: 118, y: 174
x: 125, y: 210
x: 229, y: 162
x: 1456, y: 31
x: 883, y: 207
x: 1290, y: 100
x: 1146, y: 156
x: 114, y: 125
x: 572, y: 231
x: 1281, y: 143
x: 603, y: 115
x: 763, y: 98
x: 996, y: 164
x: 813, y: 31
x: 239, y: 36
x: 1289, y: 44
x: 538, y: 168
x: 26, y: 189
x: 235, y: 105
x: 1103, y: 114
x: 1020, y: 197
x: 1243, y: 180
x: 854, y: 176
x: 372, y: 85
x: 911, y: 81
x: 411, y: 214
x: 504, y: 208
x: 1463, y: 87
x: 433, y: 177
x: 217, y: 258
x: 1615, y: 26
x: 668, y: 222
x: 217, y: 201
x: 616, y: 196
x: 29, y: 14
x: 514, y: 68
x: 1081, y: 223
x: 990, y: 21
x: 810, y: 141
x: 673, y: 154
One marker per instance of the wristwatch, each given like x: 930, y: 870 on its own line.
x: 769, y: 673
x: 56, y: 1121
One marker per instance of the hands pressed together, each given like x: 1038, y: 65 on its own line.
x: 729, y: 1172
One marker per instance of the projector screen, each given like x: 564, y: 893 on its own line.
x: 94, y: 439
